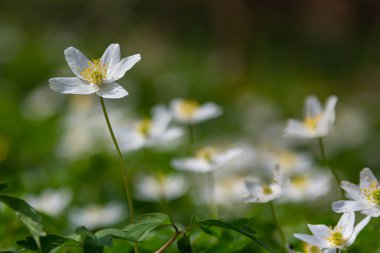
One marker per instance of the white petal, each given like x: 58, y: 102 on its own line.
x: 253, y: 187
x: 344, y: 206
x: 118, y: 70
x: 373, y: 211
x: 367, y: 178
x: 192, y: 164
x: 333, y: 250
x: 112, y: 55
x: 111, y: 90
x: 171, y: 134
x: 353, y: 191
x: 320, y: 230
x: 319, y: 242
x: 161, y: 120
x: 71, y: 85
x: 346, y: 223
x: 326, y: 122
x: 312, y: 107
x: 76, y: 60
x: 357, y: 230
x: 297, y: 129
x: 207, y: 111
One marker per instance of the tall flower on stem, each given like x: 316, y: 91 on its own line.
x: 266, y: 193
x: 99, y: 76
x: 318, y: 123
x: 340, y: 237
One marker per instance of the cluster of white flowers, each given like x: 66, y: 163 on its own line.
x: 294, y: 179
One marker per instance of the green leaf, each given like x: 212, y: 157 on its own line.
x: 48, y: 242
x: 241, y: 226
x: 27, y: 214
x: 184, y: 245
x: 140, y: 230
x: 3, y: 185
x: 114, y: 232
x: 92, y: 243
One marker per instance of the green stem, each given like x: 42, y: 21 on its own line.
x: 122, y: 164
x: 327, y: 164
x: 192, y: 138
x: 211, y: 193
x: 278, y: 225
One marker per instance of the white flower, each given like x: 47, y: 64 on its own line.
x: 150, y: 132
x: 191, y: 112
x: 318, y: 122
x: 51, y: 202
x: 94, y: 216
x: 97, y: 75
x: 365, y: 197
x: 161, y: 187
x: 341, y: 236
x: 263, y: 193
x: 308, y: 185
x: 206, y: 160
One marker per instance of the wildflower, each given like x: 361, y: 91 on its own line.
x: 263, y: 193
x: 308, y: 185
x: 341, y: 236
x: 318, y: 122
x: 206, y: 160
x: 191, y: 112
x: 95, y: 76
x: 95, y: 216
x: 365, y: 197
x: 50, y: 201
x: 161, y: 187
x: 150, y: 132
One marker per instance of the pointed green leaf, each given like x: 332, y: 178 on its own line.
x: 48, y: 243
x: 241, y: 226
x: 27, y: 214
x: 114, y: 232
x: 140, y: 230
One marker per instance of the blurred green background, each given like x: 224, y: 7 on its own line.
x: 247, y: 56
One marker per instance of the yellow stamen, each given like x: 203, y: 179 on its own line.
x: 287, y: 159
x: 96, y: 72
x: 307, y: 248
x: 372, y: 193
x: 206, y: 153
x: 336, y: 238
x: 312, y: 122
x: 266, y: 189
x: 144, y: 127
x: 188, y: 107
x: 300, y: 181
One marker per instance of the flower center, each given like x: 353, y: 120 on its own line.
x: 266, y: 189
x: 188, y: 107
x: 336, y: 238
x: 206, y: 153
x: 312, y: 122
x: 287, y: 159
x: 144, y: 127
x: 307, y: 248
x: 372, y: 193
x: 95, y: 73
x: 376, y: 196
x: 300, y: 181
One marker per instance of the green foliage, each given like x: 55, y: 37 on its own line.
x: 48, y: 243
x: 242, y: 226
x: 140, y: 230
x: 27, y: 214
x: 3, y: 185
x: 184, y: 244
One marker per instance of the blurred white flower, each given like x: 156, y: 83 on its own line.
x: 289, y: 161
x: 160, y: 187
x: 318, y: 122
x: 308, y: 185
x: 263, y: 193
x: 229, y: 189
x: 97, y: 75
x: 51, y: 202
x: 151, y: 132
x: 206, y: 160
x: 95, y: 216
x: 191, y: 112
x: 341, y: 236
x: 365, y: 197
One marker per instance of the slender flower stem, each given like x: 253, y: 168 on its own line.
x: 168, y: 243
x: 122, y: 164
x: 327, y: 164
x: 211, y: 193
x: 191, y: 135
x: 278, y: 225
